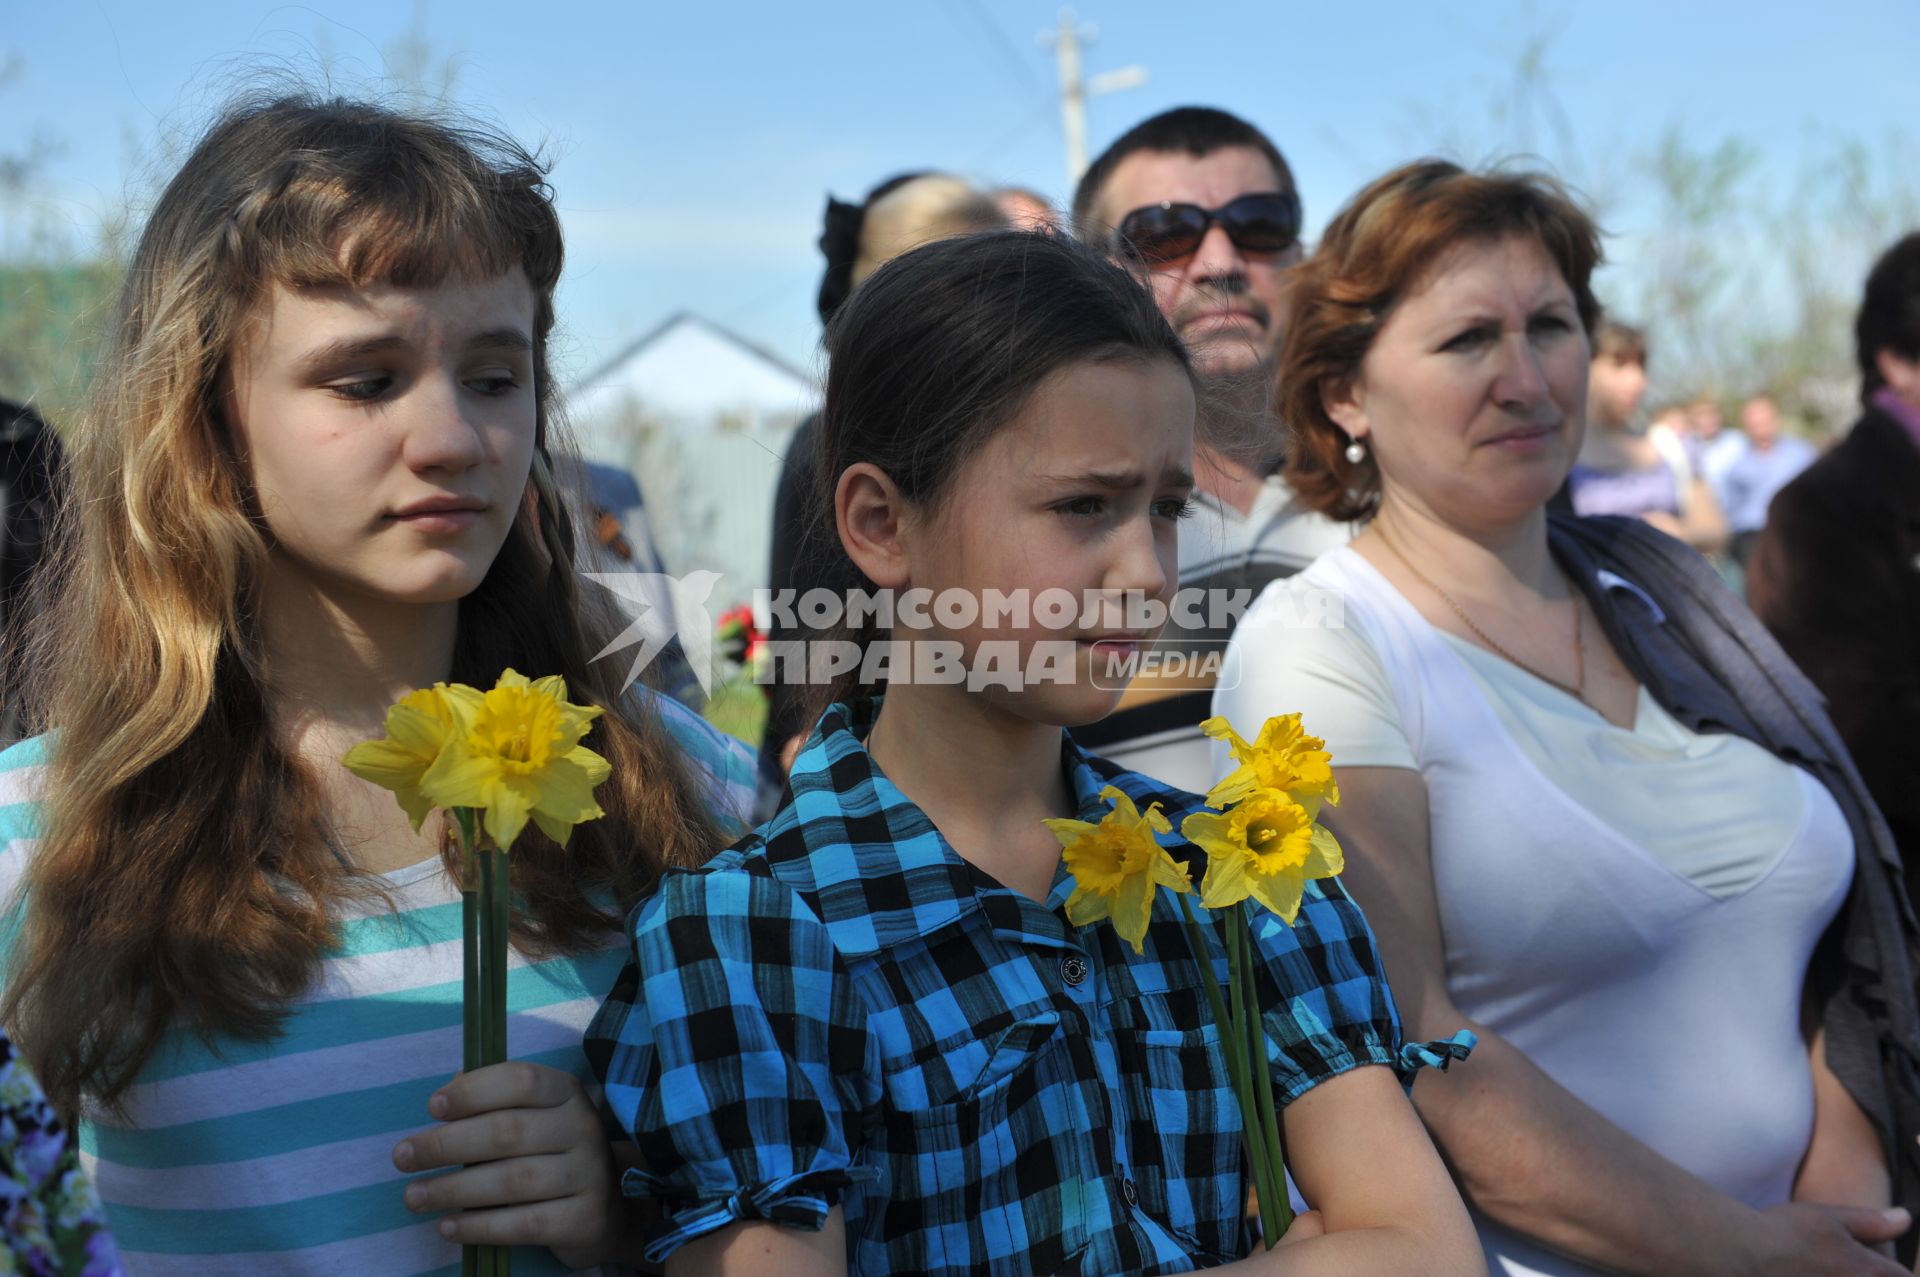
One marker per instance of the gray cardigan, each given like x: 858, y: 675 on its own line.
x: 1714, y: 667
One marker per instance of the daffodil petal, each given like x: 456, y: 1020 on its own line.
x: 1069, y: 831
x: 1133, y: 910
x: 1086, y: 905
x: 1234, y: 786
x: 1122, y: 804
x: 1226, y: 883
x: 1168, y: 872
x: 1279, y: 893
x: 558, y: 830
x: 593, y: 766
x: 459, y: 779
x: 1211, y: 831
x: 507, y: 813
x: 1157, y: 819
x: 384, y: 763
x: 1326, y: 859
x: 565, y: 792
x: 575, y: 722
x: 1219, y: 728
x: 464, y: 704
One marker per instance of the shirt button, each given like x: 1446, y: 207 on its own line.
x: 1073, y: 970
x: 1129, y: 1192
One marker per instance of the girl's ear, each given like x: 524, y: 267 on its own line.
x: 869, y: 512
x: 1343, y: 402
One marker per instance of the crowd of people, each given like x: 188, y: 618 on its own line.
x: 1620, y: 975
x: 1681, y: 469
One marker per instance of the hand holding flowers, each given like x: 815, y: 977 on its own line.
x: 496, y: 760
x: 1263, y: 841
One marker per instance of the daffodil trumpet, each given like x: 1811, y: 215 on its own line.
x: 494, y: 761
x: 1263, y: 841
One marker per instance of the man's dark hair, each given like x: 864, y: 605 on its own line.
x: 1197, y: 130
x: 1890, y: 313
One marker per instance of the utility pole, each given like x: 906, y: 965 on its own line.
x: 1066, y: 40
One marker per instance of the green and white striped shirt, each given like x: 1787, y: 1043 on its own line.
x: 246, y: 1158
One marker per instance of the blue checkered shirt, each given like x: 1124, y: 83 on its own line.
x: 841, y: 1010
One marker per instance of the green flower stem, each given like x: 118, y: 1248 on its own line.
x: 1263, y: 1089
x: 495, y: 1261
x: 470, y: 986
x: 1246, y: 1022
x: 470, y: 941
x: 1202, y: 957
x: 494, y: 899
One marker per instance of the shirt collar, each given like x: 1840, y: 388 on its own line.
x: 882, y: 874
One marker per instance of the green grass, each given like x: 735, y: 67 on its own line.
x: 739, y: 708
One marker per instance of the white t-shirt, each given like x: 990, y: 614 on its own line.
x: 1634, y: 909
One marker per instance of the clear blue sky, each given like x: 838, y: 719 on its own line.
x: 694, y: 143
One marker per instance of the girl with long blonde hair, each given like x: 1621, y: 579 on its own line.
x: 316, y: 473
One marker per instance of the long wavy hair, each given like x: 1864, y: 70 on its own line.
x: 180, y: 878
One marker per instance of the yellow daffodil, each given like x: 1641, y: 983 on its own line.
x: 517, y: 755
x: 419, y: 726
x: 1118, y: 866
x: 1266, y: 847
x: 1282, y: 757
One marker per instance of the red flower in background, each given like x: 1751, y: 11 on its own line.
x: 740, y: 639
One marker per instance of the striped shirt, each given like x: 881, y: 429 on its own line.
x: 247, y: 1158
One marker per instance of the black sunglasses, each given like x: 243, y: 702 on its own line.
x: 1159, y: 233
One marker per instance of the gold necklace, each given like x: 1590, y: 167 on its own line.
x: 1577, y: 691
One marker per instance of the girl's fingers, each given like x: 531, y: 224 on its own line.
x: 518, y: 1132
x: 516, y: 1181
x: 562, y: 1222
x: 515, y: 1084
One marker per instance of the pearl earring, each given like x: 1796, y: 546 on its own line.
x: 1356, y: 452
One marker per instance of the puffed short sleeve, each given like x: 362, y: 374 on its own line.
x: 735, y: 1053
x: 1288, y: 656
x: 1330, y: 1009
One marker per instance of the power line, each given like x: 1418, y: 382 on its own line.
x: 1003, y: 46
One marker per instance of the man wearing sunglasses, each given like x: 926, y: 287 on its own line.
x: 1202, y: 207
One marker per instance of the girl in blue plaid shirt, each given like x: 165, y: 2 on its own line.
x: 866, y: 1039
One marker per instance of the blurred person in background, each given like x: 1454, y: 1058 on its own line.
x: 1714, y: 448
x: 1770, y: 461
x: 903, y: 212
x: 1202, y: 206
x: 31, y: 462
x: 1836, y: 572
x: 1589, y: 805
x: 1667, y: 427
x: 1026, y: 210
x: 1625, y: 471
x: 616, y: 537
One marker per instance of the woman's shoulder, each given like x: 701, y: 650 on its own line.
x: 1325, y: 616
x: 1321, y: 596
